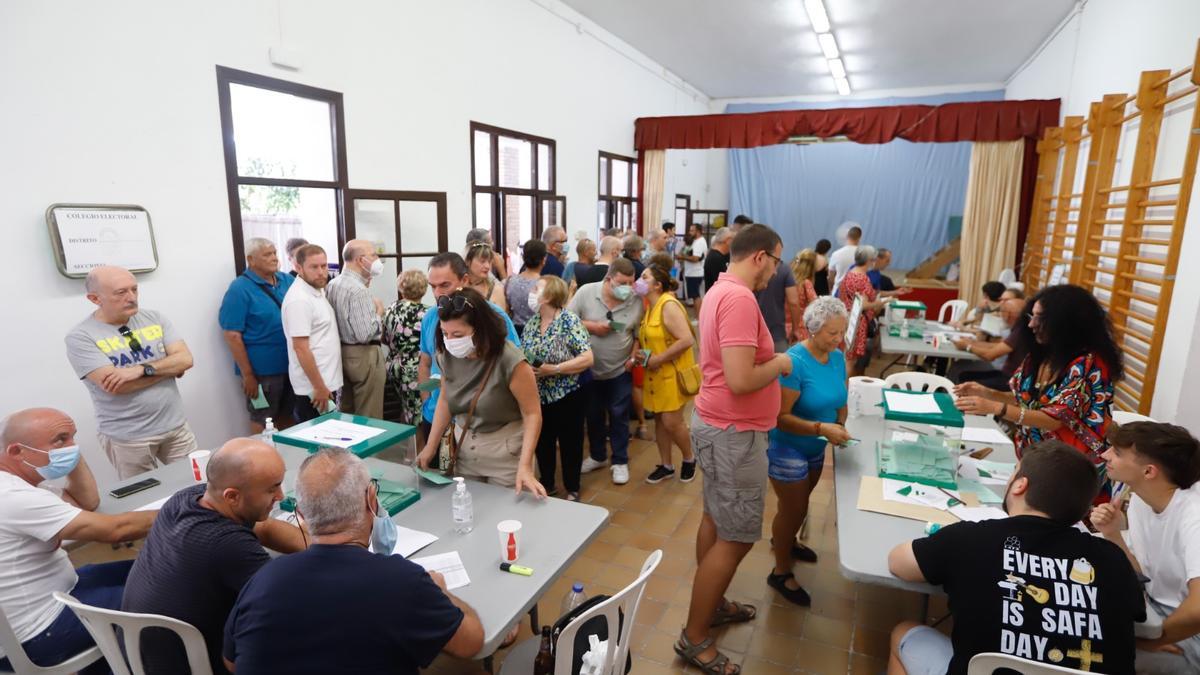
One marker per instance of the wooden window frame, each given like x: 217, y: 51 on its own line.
x: 497, y: 225
x: 612, y: 201
x: 397, y: 196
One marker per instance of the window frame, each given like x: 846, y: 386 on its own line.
x: 611, y: 201
x: 497, y: 226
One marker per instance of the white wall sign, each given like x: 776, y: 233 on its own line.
x: 89, y: 235
x: 852, y: 326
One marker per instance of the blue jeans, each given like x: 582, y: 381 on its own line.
x: 100, y: 586
x: 612, y: 397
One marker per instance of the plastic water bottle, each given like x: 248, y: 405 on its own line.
x: 268, y: 433
x: 573, y: 599
x: 463, y: 511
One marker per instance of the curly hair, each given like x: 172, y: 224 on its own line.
x: 1072, y: 323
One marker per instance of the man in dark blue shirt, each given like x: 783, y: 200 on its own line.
x: 205, y: 544
x: 338, y: 607
x: 253, y: 328
x: 555, y: 239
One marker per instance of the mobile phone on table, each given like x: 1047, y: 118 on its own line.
x: 134, y: 488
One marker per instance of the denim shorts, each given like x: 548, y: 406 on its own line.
x: 789, y: 465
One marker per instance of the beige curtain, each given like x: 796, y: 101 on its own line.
x: 654, y: 167
x: 989, y: 228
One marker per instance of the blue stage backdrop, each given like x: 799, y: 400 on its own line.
x: 902, y: 193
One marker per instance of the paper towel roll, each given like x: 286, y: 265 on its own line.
x: 866, y: 395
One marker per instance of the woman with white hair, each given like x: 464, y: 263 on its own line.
x: 858, y: 284
x: 812, y: 412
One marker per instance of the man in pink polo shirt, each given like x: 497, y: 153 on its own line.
x: 737, y: 406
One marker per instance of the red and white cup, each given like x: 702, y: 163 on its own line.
x: 199, y: 460
x: 510, y: 539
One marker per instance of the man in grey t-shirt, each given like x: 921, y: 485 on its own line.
x: 611, y: 313
x: 781, y: 290
x: 129, y: 360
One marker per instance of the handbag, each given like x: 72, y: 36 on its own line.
x: 689, y: 378
x: 456, y: 443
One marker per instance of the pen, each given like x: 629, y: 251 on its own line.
x: 516, y: 569
x: 336, y: 438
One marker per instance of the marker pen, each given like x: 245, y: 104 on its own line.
x: 516, y: 569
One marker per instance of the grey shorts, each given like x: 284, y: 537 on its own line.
x: 734, y: 464
x: 277, y: 389
x: 925, y: 651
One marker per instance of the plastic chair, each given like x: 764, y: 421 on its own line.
x: 988, y: 663
x: 913, y: 381
x: 101, y: 624
x: 1007, y: 277
x: 520, y: 660
x: 21, y: 663
x: 956, y: 310
x: 1125, y: 417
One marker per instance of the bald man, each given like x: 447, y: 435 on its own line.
x: 129, y: 359
x: 206, y: 544
x: 37, y: 445
x: 358, y: 317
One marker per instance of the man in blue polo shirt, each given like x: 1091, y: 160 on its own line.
x: 448, y: 272
x: 253, y: 328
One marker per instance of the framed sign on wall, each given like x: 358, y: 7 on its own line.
x: 84, y: 236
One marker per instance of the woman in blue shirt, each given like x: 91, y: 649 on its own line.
x: 812, y: 411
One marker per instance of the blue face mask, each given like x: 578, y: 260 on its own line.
x: 383, y: 532
x: 622, y: 292
x: 62, y: 461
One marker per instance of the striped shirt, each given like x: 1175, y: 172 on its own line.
x: 358, y: 322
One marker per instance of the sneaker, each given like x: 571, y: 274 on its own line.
x: 590, y: 465
x: 659, y: 474
x: 687, y: 472
x: 620, y: 474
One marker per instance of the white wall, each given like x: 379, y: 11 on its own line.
x: 117, y: 103
x: 1102, y: 49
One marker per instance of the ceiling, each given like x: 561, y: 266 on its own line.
x: 751, y: 48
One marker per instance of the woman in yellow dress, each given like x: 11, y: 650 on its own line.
x: 665, y: 344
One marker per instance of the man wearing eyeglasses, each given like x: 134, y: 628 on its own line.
x: 129, y: 359
x: 555, y: 239
x: 359, y: 316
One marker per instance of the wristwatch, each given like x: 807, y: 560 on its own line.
x: 147, y: 370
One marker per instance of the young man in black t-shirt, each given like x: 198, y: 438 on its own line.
x: 1030, y: 585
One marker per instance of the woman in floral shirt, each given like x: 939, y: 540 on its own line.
x: 402, y: 336
x: 557, y: 346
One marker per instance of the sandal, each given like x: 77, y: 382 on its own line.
x: 572, y: 496
x: 797, y: 596
x: 740, y: 614
x: 691, y: 653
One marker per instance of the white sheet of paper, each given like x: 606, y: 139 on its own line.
x: 1000, y: 472
x: 450, y: 565
x: 975, y: 514
x: 920, y: 495
x: 905, y: 437
x: 409, y: 541
x: 921, y: 404
x: 984, y: 435
x: 335, y: 433
x: 154, y: 505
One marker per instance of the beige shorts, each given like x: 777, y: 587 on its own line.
x: 139, y: 456
x: 492, y: 457
x: 734, y: 464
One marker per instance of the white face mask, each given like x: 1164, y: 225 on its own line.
x: 535, y: 300
x: 377, y: 267
x: 460, y: 347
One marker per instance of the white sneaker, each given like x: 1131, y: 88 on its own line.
x: 590, y: 465
x: 620, y: 473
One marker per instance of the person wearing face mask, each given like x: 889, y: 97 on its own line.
x: 490, y: 393
x: 555, y: 239
x: 1031, y: 584
x: 519, y: 288
x: 38, y: 445
x: 610, y: 312
x: 338, y: 606
x: 556, y: 345
x: 359, y: 318
x: 204, y: 546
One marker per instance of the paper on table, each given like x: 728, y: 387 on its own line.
x: 984, y: 435
x: 450, y: 565
x: 899, y: 401
x: 916, y: 494
x: 985, y: 471
x: 975, y: 514
x: 335, y: 433
x: 409, y: 541
x: 154, y: 505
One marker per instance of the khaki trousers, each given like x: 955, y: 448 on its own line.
x: 365, y: 374
x: 138, y: 456
x: 492, y: 457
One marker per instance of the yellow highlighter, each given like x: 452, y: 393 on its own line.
x: 516, y: 569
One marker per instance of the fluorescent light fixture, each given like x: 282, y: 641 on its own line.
x: 843, y: 85
x: 828, y: 45
x: 817, y: 15
x: 837, y: 69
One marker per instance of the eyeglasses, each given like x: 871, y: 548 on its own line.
x: 774, y: 257
x: 129, y: 337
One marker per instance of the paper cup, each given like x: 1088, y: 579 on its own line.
x: 199, y: 460
x: 510, y: 539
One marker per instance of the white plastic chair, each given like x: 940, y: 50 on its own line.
x: 1007, y: 277
x: 1125, y: 417
x: 520, y: 660
x: 21, y: 663
x: 956, y: 309
x: 988, y: 663
x: 100, y: 623
x: 913, y: 381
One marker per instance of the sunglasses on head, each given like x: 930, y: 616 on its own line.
x: 134, y: 344
x: 455, y: 303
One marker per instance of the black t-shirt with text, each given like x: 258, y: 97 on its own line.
x: 1033, y: 588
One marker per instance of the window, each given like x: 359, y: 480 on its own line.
x: 513, y: 184
x: 408, y: 229
x: 285, y: 162
x: 618, y: 193
x: 683, y: 216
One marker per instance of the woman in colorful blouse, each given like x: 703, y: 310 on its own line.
x: 857, y: 283
x: 557, y: 346
x: 804, y: 268
x: 402, y: 337
x: 1064, y: 387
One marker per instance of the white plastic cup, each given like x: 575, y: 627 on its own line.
x: 199, y: 460
x: 510, y: 539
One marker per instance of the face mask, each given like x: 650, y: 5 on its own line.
x: 383, y: 533
x: 535, y: 300
x: 641, y: 287
x: 62, y: 461
x: 622, y: 292
x: 377, y: 267
x: 460, y: 347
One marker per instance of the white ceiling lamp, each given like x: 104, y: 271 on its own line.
x: 828, y: 45
x: 817, y: 16
x: 843, y: 85
x: 837, y: 69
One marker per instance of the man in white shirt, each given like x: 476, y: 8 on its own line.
x: 692, y: 256
x: 314, y: 345
x: 36, y: 445
x: 841, y: 260
x: 1160, y: 463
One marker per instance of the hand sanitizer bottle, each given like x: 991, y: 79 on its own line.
x: 463, y: 511
x: 268, y: 433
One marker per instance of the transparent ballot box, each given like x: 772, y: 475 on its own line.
x: 922, y: 438
x: 912, y: 310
